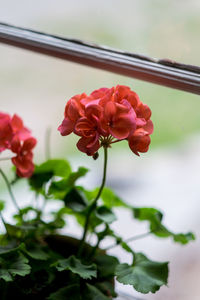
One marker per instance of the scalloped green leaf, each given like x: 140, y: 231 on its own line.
x: 13, y: 264
x: 75, y: 266
x: 105, y: 214
x: 144, y: 275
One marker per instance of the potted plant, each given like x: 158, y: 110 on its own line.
x: 36, y: 261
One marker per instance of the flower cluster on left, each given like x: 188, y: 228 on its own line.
x: 14, y: 136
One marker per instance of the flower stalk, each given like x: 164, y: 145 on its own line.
x: 9, y: 189
x: 94, y: 202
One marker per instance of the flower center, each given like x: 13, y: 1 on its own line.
x: 106, y: 141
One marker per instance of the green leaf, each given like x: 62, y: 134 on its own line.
x: 37, y: 181
x: 58, y: 189
x: 106, y: 265
x: 20, y: 232
x: 13, y: 264
x: 91, y: 195
x: 11, y: 248
x: 2, y: 205
x: 75, y: 200
x: 71, y: 292
x: 110, y: 199
x: 75, y: 266
x: 37, y: 253
x: 144, y: 275
x: 184, y: 238
x: 94, y: 294
x: 14, y: 231
x: 150, y: 214
x: 44, y: 172
x: 105, y: 214
x: 154, y: 217
x: 74, y: 176
x: 59, y: 167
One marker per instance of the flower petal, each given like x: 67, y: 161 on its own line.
x: 123, y: 126
x: 66, y: 127
x: 87, y: 145
x: 139, y: 143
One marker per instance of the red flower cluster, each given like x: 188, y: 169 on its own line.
x: 107, y: 116
x: 17, y: 138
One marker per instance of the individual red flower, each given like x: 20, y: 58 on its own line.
x: 139, y: 141
x: 18, y: 128
x: 73, y: 111
x: 118, y: 120
x: 108, y: 116
x: 16, y: 137
x: 23, y: 159
x: 6, y: 132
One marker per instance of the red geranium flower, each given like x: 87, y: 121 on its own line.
x: 107, y: 116
x: 6, y: 132
x: 16, y: 137
x: 23, y: 159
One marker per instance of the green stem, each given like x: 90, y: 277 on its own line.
x: 133, y: 238
x: 94, y: 202
x: 9, y: 190
x: 5, y: 158
x: 94, y: 249
x: 47, y: 143
x: 4, y: 223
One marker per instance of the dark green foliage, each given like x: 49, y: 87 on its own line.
x: 46, y: 171
x: 39, y: 263
x: 92, y: 293
x: 70, y: 292
x: 75, y: 266
x: 12, y: 263
x: 75, y: 200
x: 59, y: 189
x: 106, y: 265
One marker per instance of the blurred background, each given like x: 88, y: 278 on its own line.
x: 37, y: 87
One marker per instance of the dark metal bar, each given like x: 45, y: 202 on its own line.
x: 162, y: 72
